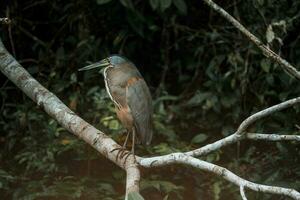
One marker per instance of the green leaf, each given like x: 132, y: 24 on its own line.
x: 228, y: 101
x: 101, y: 2
x: 199, y: 138
x: 270, y: 35
x: 154, y: 4
x: 181, y: 6
x: 162, y: 149
x: 127, y: 3
x: 198, y: 98
x: 265, y: 65
x: 164, y: 4
x: 162, y: 186
x: 216, y: 190
x: 135, y: 196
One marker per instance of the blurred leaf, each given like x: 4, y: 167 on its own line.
x: 266, y: 65
x: 164, y: 4
x: 73, y: 78
x: 127, y: 3
x: 154, y: 4
x: 119, y: 175
x: 270, y: 35
x: 228, y: 101
x: 198, y: 98
x: 166, y: 197
x: 163, y: 149
x: 160, y: 185
x: 199, y: 138
x: 135, y: 196
x: 136, y: 21
x: 272, y: 178
x: 101, y: 2
x: 181, y: 6
x: 216, y: 190
x: 6, y: 175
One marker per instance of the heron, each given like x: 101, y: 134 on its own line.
x: 130, y: 95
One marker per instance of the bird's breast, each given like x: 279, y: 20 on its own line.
x: 125, y: 117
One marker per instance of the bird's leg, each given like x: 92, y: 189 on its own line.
x: 122, y: 150
x: 132, y: 148
x: 133, y: 141
x: 125, y: 143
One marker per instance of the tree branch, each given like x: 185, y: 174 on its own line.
x: 181, y: 158
x: 186, y: 158
x: 238, y: 135
x: 292, y: 71
x: 242, y: 191
x: 266, y: 112
x: 272, y: 137
x: 67, y: 118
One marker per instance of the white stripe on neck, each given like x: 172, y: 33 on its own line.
x: 107, y: 86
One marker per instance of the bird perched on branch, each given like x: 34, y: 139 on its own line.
x: 130, y: 95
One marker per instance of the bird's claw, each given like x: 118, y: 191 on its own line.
x: 122, y: 152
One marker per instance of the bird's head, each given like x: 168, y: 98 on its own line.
x: 112, y: 61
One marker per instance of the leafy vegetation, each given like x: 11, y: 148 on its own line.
x: 205, y: 78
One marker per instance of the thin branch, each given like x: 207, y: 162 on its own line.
x: 33, y: 37
x: 242, y: 191
x: 266, y: 112
x: 238, y: 135
x: 265, y: 49
x: 67, y: 118
x: 231, y: 139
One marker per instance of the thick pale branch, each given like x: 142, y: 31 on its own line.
x: 242, y: 191
x: 272, y: 137
x: 67, y: 118
x: 265, y: 49
x: 132, y: 178
x: 222, y: 172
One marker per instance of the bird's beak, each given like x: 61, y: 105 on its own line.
x: 101, y: 63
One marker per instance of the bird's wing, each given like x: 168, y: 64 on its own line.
x: 140, y: 103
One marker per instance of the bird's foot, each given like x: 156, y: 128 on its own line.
x: 128, y: 154
x: 123, y: 152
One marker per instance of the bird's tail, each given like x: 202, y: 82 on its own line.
x: 144, y: 133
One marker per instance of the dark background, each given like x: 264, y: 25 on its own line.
x: 205, y: 78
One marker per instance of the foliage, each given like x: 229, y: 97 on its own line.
x: 205, y: 78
